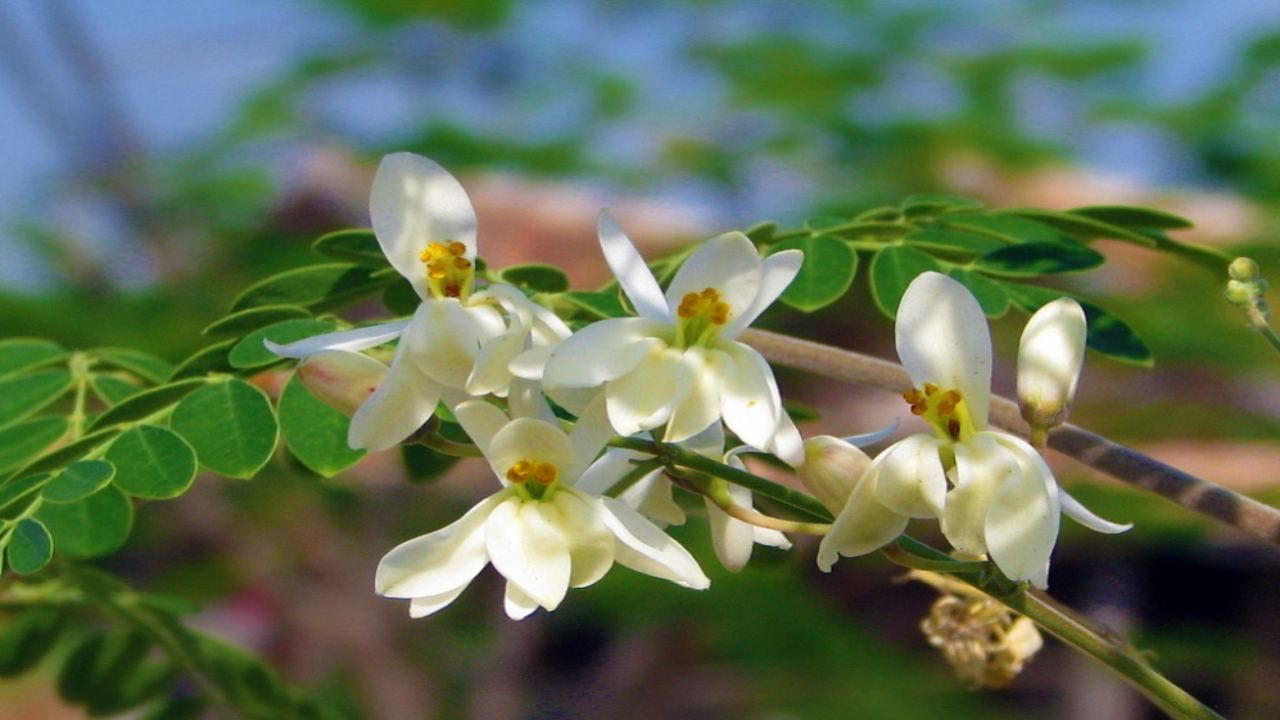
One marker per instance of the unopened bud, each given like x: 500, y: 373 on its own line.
x: 1243, y: 268
x: 341, y: 379
x: 1049, y: 359
x: 831, y: 469
x: 1239, y: 292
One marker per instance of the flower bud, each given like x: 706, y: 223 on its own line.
x: 1049, y: 359
x: 341, y: 379
x: 1239, y: 292
x: 1243, y: 268
x: 831, y: 469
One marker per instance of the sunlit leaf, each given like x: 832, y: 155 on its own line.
x: 990, y: 294
x: 78, y: 480
x: 536, y: 277
x: 1081, y: 226
x: 152, y: 462
x: 357, y: 246
x: 147, y: 402
x: 314, y: 432
x: 231, y: 425
x: 951, y: 239
x: 828, y: 271
x: 892, y: 270
x: 601, y: 305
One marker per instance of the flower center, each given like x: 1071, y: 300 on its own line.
x: 449, y: 274
x: 945, y: 410
x: 701, y: 315
x: 534, y: 478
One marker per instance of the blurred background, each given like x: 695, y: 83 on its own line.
x: 159, y: 157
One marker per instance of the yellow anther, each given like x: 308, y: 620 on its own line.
x: 519, y: 472
x: 931, y: 389
x: 461, y: 263
x: 449, y: 274
x: 457, y: 249
x: 945, y: 410
x: 545, y: 473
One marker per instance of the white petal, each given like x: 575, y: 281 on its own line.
x: 729, y: 264
x: 536, y: 441
x: 644, y: 548
x: 912, y: 481
x: 591, y: 544
x: 777, y: 272
x: 415, y: 202
x: 588, y: 437
x: 438, y: 563
x: 516, y: 603
x: 481, y: 421
x: 1049, y: 358
x: 529, y: 312
x: 428, y: 604
x: 529, y: 364
x: 701, y: 405
x: 528, y: 548
x: 633, y: 274
x: 490, y: 373
x: 405, y: 400
x: 982, y: 466
x: 602, y: 351
x: 749, y: 400
x: 732, y: 538
x: 772, y: 538
x: 1072, y: 508
x: 942, y: 337
x: 606, y: 471
x: 1023, y: 517
x: 525, y: 399
x: 444, y: 341
x: 863, y: 526
x: 341, y: 379
x: 652, y: 498
x: 644, y: 398
x: 787, y: 444
x: 352, y: 340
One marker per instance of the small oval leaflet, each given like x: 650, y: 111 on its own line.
x: 231, y: 426
x: 314, y: 432
x: 152, y: 462
x: 80, y: 479
x: 30, y: 547
x: 89, y: 527
x: 892, y: 270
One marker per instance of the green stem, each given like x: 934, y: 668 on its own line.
x: 633, y: 476
x: 1258, y: 321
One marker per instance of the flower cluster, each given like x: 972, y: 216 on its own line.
x: 674, y: 373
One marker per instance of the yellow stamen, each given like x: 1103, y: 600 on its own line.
x: 519, y: 473
x: 449, y: 274
x: 946, y: 411
x: 701, y: 313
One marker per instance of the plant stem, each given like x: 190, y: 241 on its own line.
x: 1118, y: 461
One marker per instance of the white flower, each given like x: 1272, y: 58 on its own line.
x: 1050, y: 354
x: 543, y: 534
x: 678, y: 365
x: 1003, y: 499
x: 458, y: 342
x: 732, y: 539
x: 831, y: 469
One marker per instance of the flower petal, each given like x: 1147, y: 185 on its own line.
x: 942, y: 337
x: 536, y: 441
x: 591, y: 545
x: 777, y: 272
x: 440, y: 562
x: 787, y: 444
x: 1072, y: 508
x: 602, y: 351
x: 701, y: 405
x: 733, y: 539
x: 1023, y: 517
x: 426, y: 605
x: 749, y: 400
x: 529, y: 364
x: 405, y: 400
x: 413, y: 203
x: 352, y: 340
x: 728, y: 263
x: 444, y: 341
x: 546, y: 326
x: 517, y: 604
x: 525, y: 399
x: 644, y: 398
x: 490, y: 372
x: 863, y: 526
x: 481, y: 421
x: 644, y: 548
x: 633, y: 274
x: 912, y: 481
x: 341, y: 379
x: 529, y: 549
x: 588, y: 437
x: 1050, y: 354
x: 982, y: 466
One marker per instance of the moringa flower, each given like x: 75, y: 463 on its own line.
x: 1050, y: 354
x: 459, y: 342
x: 543, y: 534
x: 678, y: 364
x: 992, y: 491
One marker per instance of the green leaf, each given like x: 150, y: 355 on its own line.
x: 1081, y: 226
x: 239, y: 323
x: 879, y: 230
x: 250, y: 352
x: 23, y: 395
x: 314, y: 432
x: 89, y: 527
x: 400, y: 298
x: 147, y: 402
x: 600, y: 305
x: 25, y: 440
x: 178, y: 708
x: 152, y: 462
x: 231, y: 426
x: 357, y: 246
x: 19, y: 489
x: 208, y: 359
x: 316, y: 286
x: 109, y: 672
x: 915, y: 205
x: 536, y: 278
x: 1034, y: 258
x: 18, y: 354
x: 761, y: 232
x: 30, y: 547
x: 425, y: 464
x: 1134, y: 217
x: 28, y: 637
x: 990, y: 294
x: 1005, y: 228
x: 942, y: 238
x: 79, y: 480
x: 112, y: 390
x: 1107, y: 333
x: 828, y: 271
x: 144, y: 365
x: 71, y: 452
x: 892, y: 270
